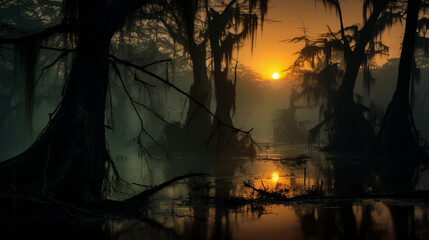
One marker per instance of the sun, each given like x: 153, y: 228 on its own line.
x: 275, y: 76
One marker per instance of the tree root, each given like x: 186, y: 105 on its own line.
x: 103, y: 209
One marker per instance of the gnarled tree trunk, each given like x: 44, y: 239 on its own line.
x: 69, y: 159
x: 398, y: 127
x: 351, y: 130
x: 225, y: 98
x: 198, y: 120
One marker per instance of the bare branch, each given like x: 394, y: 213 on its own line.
x: 177, y: 89
x: 159, y: 61
x: 333, y: 34
x: 133, y: 104
x: 63, y: 54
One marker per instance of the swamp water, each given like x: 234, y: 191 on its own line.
x: 212, y: 207
x: 188, y: 209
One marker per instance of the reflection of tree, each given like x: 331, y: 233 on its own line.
x: 199, y: 225
x: 403, y: 221
x: 368, y: 229
x: 351, y: 177
x: 333, y: 222
x: 224, y: 186
x: 209, y: 202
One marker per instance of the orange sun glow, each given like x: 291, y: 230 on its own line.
x: 275, y: 76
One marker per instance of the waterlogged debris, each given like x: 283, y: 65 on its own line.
x: 264, y: 193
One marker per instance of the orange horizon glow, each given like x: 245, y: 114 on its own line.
x: 270, y: 54
x: 269, y: 68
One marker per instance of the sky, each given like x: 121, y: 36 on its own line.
x: 270, y: 55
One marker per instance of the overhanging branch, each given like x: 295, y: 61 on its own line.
x: 123, y: 62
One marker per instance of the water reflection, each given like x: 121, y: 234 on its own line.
x: 199, y: 208
x: 363, y: 220
x: 275, y: 177
x: 202, y: 208
x: 196, y: 212
x: 340, y: 220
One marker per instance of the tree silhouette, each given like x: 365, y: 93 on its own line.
x: 350, y: 129
x: 69, y: 161
x: 398, y: 126
x: 190, y: 32
x: 227, y: 29
x: 319, y: 65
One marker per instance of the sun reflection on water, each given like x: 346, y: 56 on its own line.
x: 275, y: 177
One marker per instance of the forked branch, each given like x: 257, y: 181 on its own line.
x: 142, y: 68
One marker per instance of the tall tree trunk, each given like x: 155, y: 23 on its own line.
x: 351, y: 130
x: 198, y: 120
x: 398, y: 124
x: 225, y: 100
x: 226, y: 139
x: 225, y: 97
x: 224, y: 89
x: 68, y: 161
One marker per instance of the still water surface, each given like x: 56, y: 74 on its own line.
x: 187, y: 209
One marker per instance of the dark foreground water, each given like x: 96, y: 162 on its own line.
x: 340, y: 220
x: 195, y: 208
